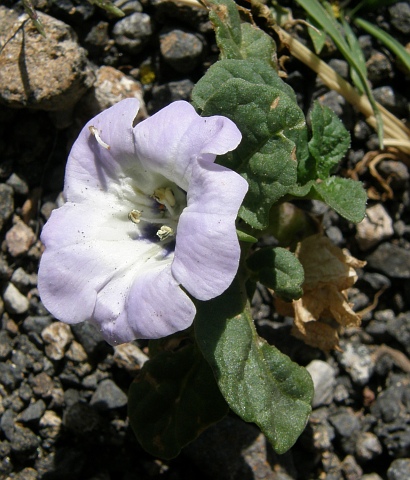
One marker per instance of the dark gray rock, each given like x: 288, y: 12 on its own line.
x: 392, y: 100
x: 24, y: 444
x: 42, y: 385
x: 399, y: 469
x: 10, y: 375
x: 133, y: 32
x: 108, y: 396
x: 6, y: 203
x: 182, y: 50
x: 347, y: 427
x: 36, y: 324
x: 25, y: 392
x: 400, y: 18
x: 90, y: 338
x: 7, y: 423
x: 376, y: 280
x: 390, y: 259
x: 379, y: 68
x: 351, y: 469
x: 33, y: 412
x: 170, y: 92
x: 6, y: 345
x: 397, y: 173
x: 338, y: 104
x: 388, y: 405
x: 399, y: 328
x: 82, y: 419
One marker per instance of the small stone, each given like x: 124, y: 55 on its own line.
x: 133, y: 32
x: 90, y: 338
x: 14, y: 301
x: 128, y: 6
x: 110, y: 87
x: 50, y: 424
x: 56, y: 70
x: 42, y: 385
x: 36, y: 324
x: 341, y: 108
x: 379, y: 68
x: 324, y: 381
x: 351, y: 469
x: 371, y: 476
x: 368, y: 447
x: 26, y: 474
x: 170, y: 92
x: 19, y: 238
x: 396, y: 173
x: 24, y: 444
x: 376, y: 280
x: 347, y: 426
x: 393, y: 101
x: 400, y: 18
x: 6, y: 203
x: 357, y: 361
x: 33, y: 412
x: 47, y: 208
x: 76, y: 352
x: 129, y: 356
x: 108, y: 396
x: 374, y: 228
x: 6, y: 345
x: 17, y: 184
x: 390, y: 259
x: 10, y: 375
x: 57, y: 336
x: 82, y: 419
x: 180, y: 49
x: 22, y: 279
x: 399, y: 469
x: 399, y: 328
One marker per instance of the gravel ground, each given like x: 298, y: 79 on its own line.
x: 63, y: 409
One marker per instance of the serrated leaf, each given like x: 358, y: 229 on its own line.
x: 279, y: 269
x: 172, y: 400
x: 330, y: 140
x: 237, y: 40
x: 347, y: 197
x: 260, y: 384
x: 250, y: 93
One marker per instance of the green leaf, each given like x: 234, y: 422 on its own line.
x: 250, y: 93
x: 172, y: 400
x: 347, y: 197
x: 237, y: 40
x: 279, y: 269
x: 329, y: 24
x: 317, y: 35
x: 330, y: 140
x: 260, y: 384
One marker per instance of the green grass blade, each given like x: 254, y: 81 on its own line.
x: 390, y: 42
x: 324, y: 18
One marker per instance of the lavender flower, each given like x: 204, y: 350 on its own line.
x: 147, y: 212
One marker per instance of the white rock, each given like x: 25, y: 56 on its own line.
x: 14, y: 301
x: 324, y: 380
x: 57, y: 336
x: 375, y: 227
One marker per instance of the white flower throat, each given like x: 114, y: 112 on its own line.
x: 165, y: 212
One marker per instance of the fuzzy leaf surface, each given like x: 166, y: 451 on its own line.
x: 260, y: 384
x: 172, y: 400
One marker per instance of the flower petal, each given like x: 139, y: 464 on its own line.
x: 149, y: 311
x: 92, y: 269
x: 91, y: 167
x: 207, y: 248
x: 168, y: 141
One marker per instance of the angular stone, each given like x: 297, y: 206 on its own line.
x: 57, y: 337
x: 182, y: 50
x: 324, y: 380
x: 49, y: 73
x: 108, y: 396
x: 375, y: 227
x: 19, y: 238
x: 14, y: 301
x: 132, y: 33
x: 6, y: 203
x: 390, y: 259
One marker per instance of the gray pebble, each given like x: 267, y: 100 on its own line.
x: 6, y: 345
x: 108, y: 396
x: 18, y: 185
x: 170, y: 92
x: 23, y: 280
x: 33, y: 412
x: 399, y: 328
x: 180, y: 49
x: 24, y: 444
x: 393, y: 101
x: 379, y: 68
x: 133, y: 32
x: 10, y: 375
x: 36, y: 324
x: 399, y: 469
x: 6, y: 203
x: 368, y: 446
x: 90, y: 338
x: 14, y: 301
x: 82, y: 419
x: 390, y: 259
x: 400, y: 19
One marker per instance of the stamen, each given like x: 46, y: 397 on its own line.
x: 165, y: 196
x: 94, y: 132
x: 135, y: 216
x: 165, y: 232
